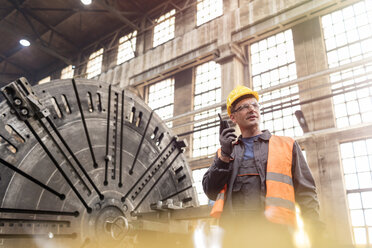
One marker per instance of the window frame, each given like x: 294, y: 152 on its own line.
x: 159, y: 109
x: 161, y: 21
x: 93, y: 57
x: 281, y: 44
x: 211, y: 128
x: 122, y: 48
x: 353, y: 107
x: 213, y: 16
x: 347, y: 151
x: 65, y: 75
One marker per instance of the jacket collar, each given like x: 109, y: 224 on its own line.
x: 265, y: 135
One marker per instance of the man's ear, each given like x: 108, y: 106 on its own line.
x: 232, y: 118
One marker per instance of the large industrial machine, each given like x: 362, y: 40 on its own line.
x: 85, y: 164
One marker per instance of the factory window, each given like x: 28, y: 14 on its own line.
x: 67, y: 72
x: 95, y: 64
x: 357, y: 167
x: 273, y: 63
x: 161, y: 98
x: 44, y: 80
x: 198, y: 178
x: 348, y: 38
x: 127, y: 47
x: 208, y: 10
x: 207, y: 92
x: 164, y: 30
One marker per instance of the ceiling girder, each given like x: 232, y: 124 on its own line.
x: 66, y: 9
x: 53, y: 53
x: 142, y: 29
x: 15, y: 29
x: 15, y: 4
x: 107, y: 8
x: 26, y: 13
x: 141, y: 10
x: 135, y: 13
x: 12, y: 74
x: 12, y: 10
x: 18, y: 48
x: 118, y: 14
x: 64, y: 37
x: 176, y: 6
x: 4, y: 58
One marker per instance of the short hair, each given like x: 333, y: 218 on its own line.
x: 238, y: 100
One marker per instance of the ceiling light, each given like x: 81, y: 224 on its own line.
x: 24, y: 42
x: 86, y: 2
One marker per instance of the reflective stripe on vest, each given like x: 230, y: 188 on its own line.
x: 280, y: 196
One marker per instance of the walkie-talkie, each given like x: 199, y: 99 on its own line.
x: 223, y: 124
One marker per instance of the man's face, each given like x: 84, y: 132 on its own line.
x: 246, y: 113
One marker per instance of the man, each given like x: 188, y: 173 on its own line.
x: 263, y: 176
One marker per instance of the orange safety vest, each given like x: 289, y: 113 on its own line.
x: 218, y: 204
x: 280, y: 196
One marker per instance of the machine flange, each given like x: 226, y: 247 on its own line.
x: 77, y: 155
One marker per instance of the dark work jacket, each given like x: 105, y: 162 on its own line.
x: 221, y: 173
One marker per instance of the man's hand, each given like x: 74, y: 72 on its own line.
x: 226, y: 138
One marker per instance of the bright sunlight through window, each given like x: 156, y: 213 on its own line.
x: 357, y: 166
x: 127, y: 47
x: 198, y: 178
x: 164, y: 30
x: 207, y: 92
x: 67, y: 72
x: 161, y: 98
x: 273, y: 63
x: 95, y: 64
x: 208, y: 10
x: 44, y: 80
x: 348, y: 38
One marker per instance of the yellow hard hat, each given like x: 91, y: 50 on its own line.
x: 239, y: 91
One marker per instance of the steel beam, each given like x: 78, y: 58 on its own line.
x: 64, y: 37
x: 118, y: 14
x: 14, y: 51
x: 26, y: 14
x: 15, y: 29
x: 4, y: 58
x: 141, y: 10
x: 66, y: 9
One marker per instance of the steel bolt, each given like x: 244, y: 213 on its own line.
x: 125, y: 208
x: 108, y: 158
x: 24, y: 111
x: 17, y: 101
x: 98, y: 206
